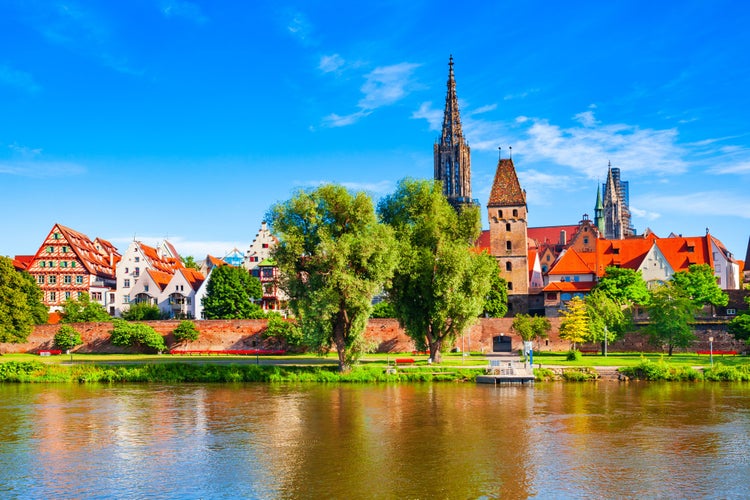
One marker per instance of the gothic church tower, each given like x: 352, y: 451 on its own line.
x: 617, y: 223
x: 507, y: 214
x: 452, y: 153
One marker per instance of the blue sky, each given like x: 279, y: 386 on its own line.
x: 188, y: 120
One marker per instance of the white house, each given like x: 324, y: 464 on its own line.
x: 138, y: 259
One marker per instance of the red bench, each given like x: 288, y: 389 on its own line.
x: 404, y: 361
x: 717, y: 353
x: 50, y: 352
x: 589, y: 350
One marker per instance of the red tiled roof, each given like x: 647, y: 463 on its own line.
x: 193, y: 277
x: 572, y: 262
x: 506, y: 190
x: 483, y: 242
x: 569, y: 286
x: 216, y: 261
x: 551, y: 234
x: 95, y: 262
x: 161, y: 279
x: 164, y: 264
x: 682, y: 252
x: 22, y: 262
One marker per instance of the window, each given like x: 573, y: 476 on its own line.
x: 126, y: 299
x: 65, y: 249
x: 575, y: 278
x: 67, y: 280
x: 137, y: 272
x: 691, y: 248
x: 79, y: 280
x: 500, y: 213
x: 507, y: 245
x: 67, y: 295
x: 515, y: 213
x: 64, y: 263
x: 188, y: 301
x: 52, y: 296
x: 507, y: 226
x: 127, y: 270
x: 137, y: 259
x: 40, y: 279
x: 265, y: 245
x: 544, y: 268
x: 52, y: 280
x: 508, y: 266
x: 97, y: 296
x: 616, y: 251
x: 585, y: 240
x: 42, y: 264
x: 126, y: 284
x: 73, y: 264
x: 731, y: 312
x: 510, y: 285
x: 267, y: 272
x: 551, y: 296
x: 50, y: 249
x: 56, y: 236
x: 145, y: 288
x: 80, y: 294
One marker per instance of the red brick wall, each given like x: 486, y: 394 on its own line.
x: 246, y: 334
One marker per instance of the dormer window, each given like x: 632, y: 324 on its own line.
x: 616, y: 251
x: 691, y: 248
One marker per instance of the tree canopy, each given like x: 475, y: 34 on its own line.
x: 624, y: 286
x: 671, y: 312
x: 83, y: 310
x: 574, y: 326
x: 699, y: 283
x: 607, y: 317
x: 21, y: 304
x: 334, y: 256
x: 230, y: 294
x: 441, y: 283
x: 189, y: 262
x: 67, y: 337
x: 496, y: 301
x: 531, y: 327
x: 143, y: 311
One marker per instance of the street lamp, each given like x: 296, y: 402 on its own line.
x: 711, y: 350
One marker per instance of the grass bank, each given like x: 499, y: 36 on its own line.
x: 38, y: 372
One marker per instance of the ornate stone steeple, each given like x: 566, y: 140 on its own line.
x: 599, y: 211
x: 451, y: 152
x: 617, y: 223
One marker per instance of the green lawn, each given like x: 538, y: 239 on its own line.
x: 449, y: 359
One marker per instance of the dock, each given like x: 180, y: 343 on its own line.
x: 505, y: 370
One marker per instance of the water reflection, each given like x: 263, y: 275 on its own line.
x: 389, y: 441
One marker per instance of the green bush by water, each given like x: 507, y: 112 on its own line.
x: 661, y: 370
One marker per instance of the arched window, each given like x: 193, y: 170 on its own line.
x: 507, y: 226
x: 508, y: 266
x: 515, y: 213
x: 499, y: 213
x: 507, y: 245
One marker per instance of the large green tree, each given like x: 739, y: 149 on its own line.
x: 531, y: 327
x: 83, y: 310
x: 740, y: 325
x: 699, y: 283
x: 608, y: 318
x: 671, y: 312
x: 440, y: 284
x: 334, y: 256
x: 575, y: 324
x: 496, y: 301
x: 20, y: 303
x: 626, y: 286
x: 230, y: 294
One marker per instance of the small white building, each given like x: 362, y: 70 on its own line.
x: 136, y: 260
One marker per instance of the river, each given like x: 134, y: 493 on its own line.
x: 441, y: 440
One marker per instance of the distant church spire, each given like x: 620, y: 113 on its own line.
x: 451, y: 153
x: 599, y: 211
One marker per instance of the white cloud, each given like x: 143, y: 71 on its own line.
x: 586, y: 118
x: 700, y: 203
x: 18, y: 79
x: 539, y: 185
x: 185, y: 10
x: 331, y: 64
x: 644, y: 214
x: 520, y: 95
x: 383, y: 86
x: 588, y: 148
x: 39, y: 169
x: 386, y: 85
x: 301, y: 28
x: 743, y: 167
x: 483, y: 109
x: 433, y: 116
x: 381, y: 187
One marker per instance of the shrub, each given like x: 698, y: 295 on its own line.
x: 383, y: 309
x: 660, y: 370
x: 136, y: 335
x: 281, y: 329
x: 186, y: 331
x: 579, y: 374
x: 142, y: 311
x: 67, y: 338
x: 573, y: 355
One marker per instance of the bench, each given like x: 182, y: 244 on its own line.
x: 420, y: 353
x: 589, y: 350
x: 404, y: 361
x: 228, y: 352
x: 717, y: 353
x: 50, y: 352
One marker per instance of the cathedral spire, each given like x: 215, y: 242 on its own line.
x: 599, y: 211
x: 452, y: 154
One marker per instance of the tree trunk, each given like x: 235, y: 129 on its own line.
x: 435, y: 353
x: 339, y: 339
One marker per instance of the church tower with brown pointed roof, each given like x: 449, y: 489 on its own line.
x: 507, y: 215
x: 452, y: 153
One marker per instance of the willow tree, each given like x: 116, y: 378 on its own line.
x: 334, y: 256
x: 440, y: 284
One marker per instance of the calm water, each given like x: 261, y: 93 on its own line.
x: 401, y: 441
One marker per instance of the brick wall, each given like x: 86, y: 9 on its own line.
x: 386, y: 333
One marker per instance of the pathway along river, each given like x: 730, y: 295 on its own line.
x: 441, y: 440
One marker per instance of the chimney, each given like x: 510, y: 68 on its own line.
x: 563, y: 237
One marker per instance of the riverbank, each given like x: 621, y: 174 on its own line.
x: 232, y: 371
